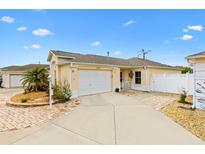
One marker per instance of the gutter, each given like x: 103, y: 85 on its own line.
x: 121, y: 66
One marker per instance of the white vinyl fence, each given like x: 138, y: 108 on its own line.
x: 173, y: 83
x: 199, y: 82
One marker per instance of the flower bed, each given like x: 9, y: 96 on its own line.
x: 29, y: 99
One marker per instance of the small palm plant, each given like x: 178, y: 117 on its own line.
x: 35, y: 80
x: 183, y: 97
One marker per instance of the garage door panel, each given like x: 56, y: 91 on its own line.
x: 15, y: 80
x: 92, y: 82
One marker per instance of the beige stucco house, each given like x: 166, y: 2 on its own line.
x: 197, y: 61
x: 12, y: 75
x: 91, y: 74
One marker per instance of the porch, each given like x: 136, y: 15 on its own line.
x: 134, y: 78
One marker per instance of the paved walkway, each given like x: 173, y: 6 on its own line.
x: 157, y: 100
x: 106, y: 119
x: 14, y: 118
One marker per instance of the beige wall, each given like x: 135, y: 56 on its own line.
x: 126, y: 74
x: 6, y: 80
x: 64, y: 74
x: 74, y: 78
x: 199, y: 60
x: 115, y: 78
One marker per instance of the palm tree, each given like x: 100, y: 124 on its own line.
x: 35, y: 80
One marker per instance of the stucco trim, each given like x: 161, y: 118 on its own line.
x: 120, y: 66
x: 97, y: 64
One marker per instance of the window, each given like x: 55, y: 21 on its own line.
x: 137, y: 77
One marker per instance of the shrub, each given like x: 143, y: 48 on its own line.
x: 62, y: 93
x: 24, y: 100
x: 183, y: 97
x: 35, y: 80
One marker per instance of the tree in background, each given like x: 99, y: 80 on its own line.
x: 185, y: 70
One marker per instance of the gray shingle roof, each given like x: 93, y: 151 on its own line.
x: 147, y: 62
x: 197, y: 54
x: 24, y: 67
x: 97, y: 59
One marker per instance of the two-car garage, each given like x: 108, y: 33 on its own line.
x: 11, y: 80
x: 94, y: 81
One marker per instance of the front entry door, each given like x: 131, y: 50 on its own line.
x: 121, y: 80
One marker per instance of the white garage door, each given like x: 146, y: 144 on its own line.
x: 93, y: 82
x: 15, y: 80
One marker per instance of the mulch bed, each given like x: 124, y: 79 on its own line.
x: 32, y: 99
x: 192, y: 120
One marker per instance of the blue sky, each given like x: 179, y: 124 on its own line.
x: 27, y: 35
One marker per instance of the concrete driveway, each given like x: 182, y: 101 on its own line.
x: 107, y: 118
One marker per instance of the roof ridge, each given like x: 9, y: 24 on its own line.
x: 106, y: 56
x: 86, y: 54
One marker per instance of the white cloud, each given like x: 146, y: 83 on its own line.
x: 186, y: 37
x: 117, y: 52
x: 41, y: 32
x: 7, y: 19
x: 196, y: 27
x: 21, y: 29
x: 129, y: 23
x: 25, y: 47
x: 35, y: 46
x: 166, y: 41
x: 185, y: 30
x: 96, y: 43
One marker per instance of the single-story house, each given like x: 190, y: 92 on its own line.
x: 12, y: 75
x: 198, y: 63
x: 91, y: 74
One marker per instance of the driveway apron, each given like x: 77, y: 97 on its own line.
x: 112, y: 118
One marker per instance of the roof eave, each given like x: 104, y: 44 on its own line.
x: 51, y: 53
x: 164, y: 67
x: 195, y: 57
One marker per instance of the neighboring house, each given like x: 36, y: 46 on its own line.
x: 91, y: 74
x: 12, y: 75
x: 198, y: 63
